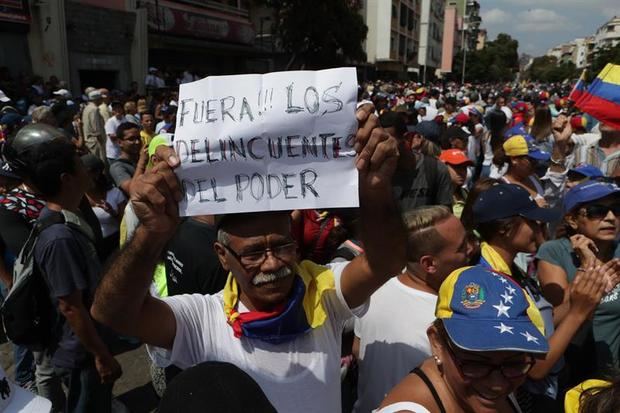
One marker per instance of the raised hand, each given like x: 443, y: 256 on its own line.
x: 377, y: 152
x: 589, y: 287
x: 584, y: 247
x: 154, y: 197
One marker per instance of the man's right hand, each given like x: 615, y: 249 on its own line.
x: 154, y: 198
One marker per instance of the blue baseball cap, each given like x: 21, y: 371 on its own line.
x: 6, y: 171
x: 509, y: 200
x: 518, y: 129
x: 587, y: 192
x: 484, y: 310
x: 587, y: 170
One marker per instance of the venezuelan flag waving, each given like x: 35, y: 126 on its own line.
x: 579, y: 88
x: 602, y: 99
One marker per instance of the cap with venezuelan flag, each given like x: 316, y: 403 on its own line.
x: 484, y: 310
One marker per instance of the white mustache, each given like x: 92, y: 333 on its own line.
x: 267, y: 277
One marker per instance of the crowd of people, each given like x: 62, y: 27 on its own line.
x: 479, y: 274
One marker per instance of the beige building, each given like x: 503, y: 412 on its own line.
x: 393, y: 34
x: 608, y: 35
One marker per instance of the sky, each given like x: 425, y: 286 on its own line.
x: 541, y: 24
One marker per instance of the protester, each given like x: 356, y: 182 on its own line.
x: 436, y: 245
x: 128, y: 165
x: 510, y: 222
x: 68, y: 259
x: 457, y: 163
x: 419, y: 179
x: 481, y: 355
x: 94, y: 126
x: 147, y: 121
x: 113, y: 151
x: 259, y: 252
x: 591, y: 216
x: 107, y: 202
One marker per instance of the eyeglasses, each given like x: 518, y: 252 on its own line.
x: 479, y: 370
x: 256, y: 258
x: 598, y: 211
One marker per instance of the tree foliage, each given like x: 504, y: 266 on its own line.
x: 320, y: 33
x: 547, y: 69
x: 497, y: 61
x: 602, y: 57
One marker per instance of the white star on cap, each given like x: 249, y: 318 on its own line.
x: 502, y: 309
x: 507, y: 298
x: 503, y: 328
x: 511, y: 290
x: 503, y: 280
x: 529, y: 337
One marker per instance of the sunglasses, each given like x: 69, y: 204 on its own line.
x: 479, y: 369
x: 597, y: 211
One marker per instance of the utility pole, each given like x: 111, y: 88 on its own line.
x: 463, y: 41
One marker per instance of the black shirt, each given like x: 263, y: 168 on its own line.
x: 191, y: 263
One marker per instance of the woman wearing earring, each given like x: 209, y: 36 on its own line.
x: 510, y: 222
x: 483, y: 342
x: 592, y: 210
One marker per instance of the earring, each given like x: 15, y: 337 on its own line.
x: 437, y: 360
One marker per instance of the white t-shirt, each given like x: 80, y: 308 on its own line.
x: 112, y: 150
x: 403, y: 407
x: 393, y: 340
x: 109, y: 224
x: 302, y: 375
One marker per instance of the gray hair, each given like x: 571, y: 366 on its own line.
x: 43, y: 114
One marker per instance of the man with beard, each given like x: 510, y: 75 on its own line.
x: 277, y: 319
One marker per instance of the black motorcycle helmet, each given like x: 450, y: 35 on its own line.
x: 18, y: 150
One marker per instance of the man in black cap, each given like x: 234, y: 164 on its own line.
x: 419, y: 179
x: 68, y: 259
x: 259, y: 322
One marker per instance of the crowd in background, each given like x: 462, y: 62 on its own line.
x: 509, y: 177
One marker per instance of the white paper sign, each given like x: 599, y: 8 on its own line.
x: 268, y: 142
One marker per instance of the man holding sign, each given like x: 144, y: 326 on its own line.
x: 278, y: 319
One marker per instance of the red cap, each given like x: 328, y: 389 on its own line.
x: 461, y: 118
x: 455, y: 157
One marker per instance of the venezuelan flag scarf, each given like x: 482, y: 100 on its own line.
x: 303, y: 311
x: 490, y: 258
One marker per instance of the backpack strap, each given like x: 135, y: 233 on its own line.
x: 39, y: 226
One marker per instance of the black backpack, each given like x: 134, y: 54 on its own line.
x: 28, y: 315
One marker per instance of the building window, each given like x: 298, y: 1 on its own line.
x: 394, y: 11
x: 411, y: 20
x: 610, y: 28
x: 402, y: 44
x: 403, y: 15
x: 393, y: 43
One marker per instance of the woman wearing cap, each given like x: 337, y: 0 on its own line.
x: 484, y: 343
x: 541, y: 129
x: 522, y: 158
x: 509, y: 223
x: 457, y: 163
x: 591, y: 212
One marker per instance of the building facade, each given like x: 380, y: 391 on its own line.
x: 393, y: 35
x: 112, y: 43
x: 608, y: 35
x: 431, y: 34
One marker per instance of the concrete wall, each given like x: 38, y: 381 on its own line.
x: 378, y: 19
x: 449, y: 32
x: 47, y: 40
